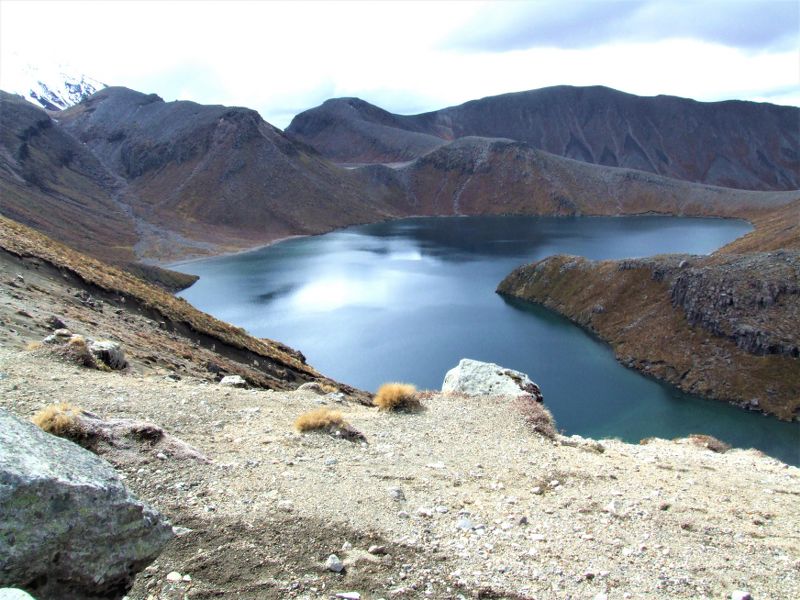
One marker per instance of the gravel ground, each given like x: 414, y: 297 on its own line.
x: 461, y: 499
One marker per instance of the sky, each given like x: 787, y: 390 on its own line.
x: 408, y: 57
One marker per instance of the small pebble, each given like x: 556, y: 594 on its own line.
x: 173, y: 576
x: 334, y: 564
x: 741, y: 595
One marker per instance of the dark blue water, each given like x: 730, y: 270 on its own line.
x: 406, y: 300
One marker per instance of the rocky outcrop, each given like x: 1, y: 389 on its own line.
x: 476, y: 378
x: 752, y: 299
x: 721, y: 326
x: 70, y: 529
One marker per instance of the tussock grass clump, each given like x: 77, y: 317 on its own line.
x: 62, y: 420
x: 321, y: 418
x: 330, y: 421
x: 397, y: 396
x: 76, y: 350
x: 537, y: 416
x: 710, y: 442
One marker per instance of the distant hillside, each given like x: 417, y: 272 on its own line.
x: 737, y: 144
x: 473, y: 176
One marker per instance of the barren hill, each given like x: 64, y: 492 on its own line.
x: 733, y: 143
x: 216, y: 173
x: 474, y: 175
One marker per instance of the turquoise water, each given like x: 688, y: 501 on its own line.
x: 406, y: 300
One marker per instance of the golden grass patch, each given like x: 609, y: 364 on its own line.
x: 61, y: 420
x: 320, y: 418
x: 397, y: 396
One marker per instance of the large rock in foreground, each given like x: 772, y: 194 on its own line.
x: 476, y: 378
x: 69, y: 528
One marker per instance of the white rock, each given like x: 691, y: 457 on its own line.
x: 111, y: 353
x: 174, y: 576
x: 233, y: 381
x: 464, y: 524
x: 741, y: 595
x: 349, y: 595
x: 334, y: 564
x: 14, y: 594
x: 476, y: 378
x: 397, y: 493
x: 312, y: 386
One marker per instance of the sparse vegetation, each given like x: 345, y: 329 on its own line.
x: 710, y: 442
x: 537, y: 416
x: 397, y: 396
x: 61, y: 420
x: 330, y: 421
x: 321, y: 418
x: 76, y: 350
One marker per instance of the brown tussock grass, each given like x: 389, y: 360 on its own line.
x: 76, y: 350
x: 61, y: 420
x: 710, y: 442
x: 537, y: 416
x: 32, y: 346
x: 397, y: 396
x: 321, y: 418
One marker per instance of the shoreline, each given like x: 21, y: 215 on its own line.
x: 175, y: 264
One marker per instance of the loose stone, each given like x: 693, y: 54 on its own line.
x: 334, y: 564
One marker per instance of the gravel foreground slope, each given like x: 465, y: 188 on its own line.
x: 462, y: 497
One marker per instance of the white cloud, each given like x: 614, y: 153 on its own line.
x: 281, y: 58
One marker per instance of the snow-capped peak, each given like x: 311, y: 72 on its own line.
x: 51, y: 88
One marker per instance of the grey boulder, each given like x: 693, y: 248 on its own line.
x: 111, y: 353
x: 69, y: 528
x: 476, y: 378
x: 233, y: 381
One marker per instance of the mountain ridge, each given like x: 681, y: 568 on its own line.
x: 732, y: 143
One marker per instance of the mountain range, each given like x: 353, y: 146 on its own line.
x: 733, y: 143
x: 128, y: 177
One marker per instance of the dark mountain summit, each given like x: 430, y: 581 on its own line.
x: 734, y: 143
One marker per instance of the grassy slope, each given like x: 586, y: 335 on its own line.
x: 628, y: 304
x: 179, y: 315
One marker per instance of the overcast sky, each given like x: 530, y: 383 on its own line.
x: 409, y: 57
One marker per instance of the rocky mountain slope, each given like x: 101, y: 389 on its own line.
x: 733, y: 144
x: 722, y: 326
x: 51, y: 182
x: 213, y: 173
x: 474, y: 175
x: 46, y: 285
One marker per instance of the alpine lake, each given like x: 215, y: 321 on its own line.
x: 406, y: 300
